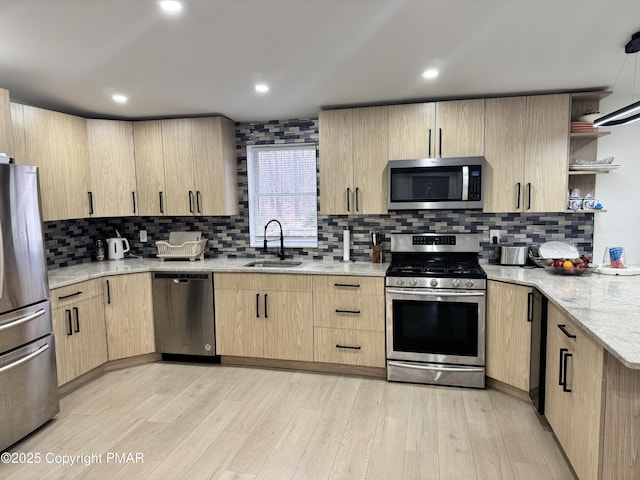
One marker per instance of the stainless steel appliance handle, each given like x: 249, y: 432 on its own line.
x: 423, y: 293
x: 435, y: 367
x: 1, y: 263
x: 22, y: 320
x: 465, y: 183
x: 40, y: 351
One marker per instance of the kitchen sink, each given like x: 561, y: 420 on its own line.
x: 273, y: 263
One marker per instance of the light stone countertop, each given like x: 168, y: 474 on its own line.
x: 607, y: 307
x: 87, y: 271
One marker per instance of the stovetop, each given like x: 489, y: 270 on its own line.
x: 441, y: 266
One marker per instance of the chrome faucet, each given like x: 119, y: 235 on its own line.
x: 281, y: 251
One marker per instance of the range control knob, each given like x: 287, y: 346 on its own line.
x: 455, y: 282
x: 400, y: 282
x: 469, y: 283
x: 413, y: 282
x: 434, y: 282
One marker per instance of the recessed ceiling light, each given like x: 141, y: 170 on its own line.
x: 119, y: 98
x: 262, y: 88
x: 170, y: 6
x: 430, y: 73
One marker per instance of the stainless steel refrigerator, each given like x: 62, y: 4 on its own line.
x: 28, y: 381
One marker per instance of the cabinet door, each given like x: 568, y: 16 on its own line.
x: 504, y: 151
x: 89, y: 330
x: 508, y: 334
x: 57, y: 143
x: 370, y: 155
x: 215, y: 181
x: 587, y: 406
x: 336, y: 161
x: 6, y: 130
x: 112, y: 166
x: 460, y: 128
x: 179, y: 154
x: 288, y: 325
x: 149, y: 157
x: 80, y: 338
x: 66, y: 344
x: 412, y: 131
x: 240, y: 323
x: 557, y: 407
x: 546, y: 153
x: 129, y: 315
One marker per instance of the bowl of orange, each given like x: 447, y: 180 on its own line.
x: 570, y: 266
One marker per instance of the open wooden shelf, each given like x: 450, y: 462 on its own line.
x: 589, y: 134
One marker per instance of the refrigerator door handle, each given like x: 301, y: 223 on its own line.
x: 1, y: 263
x: 20, y: 321
x: 39, y: 351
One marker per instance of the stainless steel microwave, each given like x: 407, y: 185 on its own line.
x: 436, y: 183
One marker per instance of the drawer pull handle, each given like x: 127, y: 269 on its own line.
x: 348, y: 347
x: 77, y: 314
x: 563, y: 329
x: 350, y: 285
x: 69, y: 296
x: 356, y: 312
x: 565, y: 367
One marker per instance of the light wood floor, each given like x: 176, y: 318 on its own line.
x: 223, y: 422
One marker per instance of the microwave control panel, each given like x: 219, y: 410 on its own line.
x: 475, y: 182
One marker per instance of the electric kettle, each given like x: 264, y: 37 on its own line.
x: 116, y: 248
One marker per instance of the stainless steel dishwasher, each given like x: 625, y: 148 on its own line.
x: 183, y: 313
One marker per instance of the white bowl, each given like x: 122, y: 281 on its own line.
x: 590, y: 117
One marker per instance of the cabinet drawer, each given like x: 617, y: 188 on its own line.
x: 63, y: 296
x: 262, y: 281
x: 348, y: 284
x: 349, y: 347
x: 343, y: 310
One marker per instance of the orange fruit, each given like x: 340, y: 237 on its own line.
x: 567, y: 264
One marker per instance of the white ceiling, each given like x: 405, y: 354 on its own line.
x: 70, y: 55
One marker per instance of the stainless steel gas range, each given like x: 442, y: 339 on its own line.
x: 435, y: 310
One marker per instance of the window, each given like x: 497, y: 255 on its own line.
x: 282, y: 185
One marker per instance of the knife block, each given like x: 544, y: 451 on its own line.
x: 377, y: 253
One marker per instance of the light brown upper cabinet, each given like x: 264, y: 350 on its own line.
x: 112, y: 167
x: 527, y: 152
x: 149, y: 156
x: 200, y: 166
x: 6, y: 130
x: 57, y: 144
x: 436, y: 129
x: 353, y: 158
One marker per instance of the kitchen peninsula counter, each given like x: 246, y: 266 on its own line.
x: 607, y: 307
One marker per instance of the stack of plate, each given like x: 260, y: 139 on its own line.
x: 583, y: 127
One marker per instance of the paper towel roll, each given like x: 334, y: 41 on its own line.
x: 346, y: 246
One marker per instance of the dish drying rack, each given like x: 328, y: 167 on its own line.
x: 182, y: 245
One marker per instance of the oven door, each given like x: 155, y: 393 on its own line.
x: 436, y: 326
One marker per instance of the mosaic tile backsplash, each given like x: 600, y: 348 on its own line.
x: 73, y: 241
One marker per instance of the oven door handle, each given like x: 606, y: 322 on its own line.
x: 431, y: 366
x: 423, y: 293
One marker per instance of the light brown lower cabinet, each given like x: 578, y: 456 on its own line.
x: 349, y: 320
x: 128, y: 310
x: 508, y: 333
x: 264, y: 316
x: 575, y: 394
x: 78, y: 327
